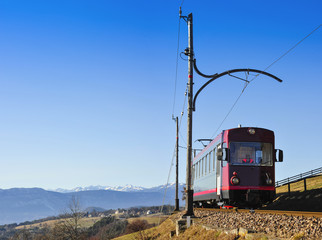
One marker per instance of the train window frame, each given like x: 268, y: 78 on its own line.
x: 214, y: 159
x: 193, y: 173
x: 206, y: 157
x: 210, y: 158
x: 253, y: 159
x: 202, y: 165
x: 198, y: 169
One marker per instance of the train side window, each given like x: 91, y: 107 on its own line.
x: 210, y: 159
x: 214, y: 159
x: 206, y: 158
x: 199, y: 169
x: 198, y: 172
x: 202, y: 166
x: 193, y: 174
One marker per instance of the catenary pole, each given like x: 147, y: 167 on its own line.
x: 177, y: 168
x: 189, y: 191
x: 191, y: 107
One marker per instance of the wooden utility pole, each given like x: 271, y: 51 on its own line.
x: 190, y: 54
x: 177, y: 168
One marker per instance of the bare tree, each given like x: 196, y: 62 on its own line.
x: 70, y: 229
x: 22, y: 235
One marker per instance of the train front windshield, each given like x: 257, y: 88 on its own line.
x: 251, y: 153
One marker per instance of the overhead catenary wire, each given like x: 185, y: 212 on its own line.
x: 247, y: 83
x: 166, y: 186
x: 173, y: 156
x: 230, y: 110
x: 176, y: 72
x: 288, y: 51
x: 177, y: 59
x: 182, y: 112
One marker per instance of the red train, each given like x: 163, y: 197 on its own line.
x: 237, y: 168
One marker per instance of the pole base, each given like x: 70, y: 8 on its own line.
x: 189, y: 204
x: 176, y: 208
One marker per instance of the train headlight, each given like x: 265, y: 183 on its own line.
x: 234, y: 180
x: 251, y: 131
x: 269, y: 181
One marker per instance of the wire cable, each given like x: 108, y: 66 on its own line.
x: 176, y: 75
x: 182, y: 112
x: 173, y: 156
x: 166, y: 186
x: 288, y: 51
x: 230, y: 110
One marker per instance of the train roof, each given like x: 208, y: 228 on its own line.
x: 219, y: 137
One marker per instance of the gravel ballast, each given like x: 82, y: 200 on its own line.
x: 275, y: 225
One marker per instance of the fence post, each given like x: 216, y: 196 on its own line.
x: 289, y: 189
x: 305, y: 184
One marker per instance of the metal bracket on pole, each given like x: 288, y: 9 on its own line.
x: 229, y: 72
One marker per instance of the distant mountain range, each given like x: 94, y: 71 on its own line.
x: 27, y: 204
x: 126, y: 188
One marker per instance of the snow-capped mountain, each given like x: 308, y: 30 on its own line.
x: 126, y: 188
x: 25, y: 204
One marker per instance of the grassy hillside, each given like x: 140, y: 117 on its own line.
x: 298, y: 199
x: 195, y: 232
x: 311, y: 183
x: 153, y: 219
x: 84, y: 223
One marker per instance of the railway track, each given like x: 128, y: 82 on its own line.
x: 273, y: 212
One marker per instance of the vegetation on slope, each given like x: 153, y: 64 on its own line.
x: 298, y: 199
x: 311, y: 183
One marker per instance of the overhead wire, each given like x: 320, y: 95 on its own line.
x: 176, y: 74
x: 174, y: 99
x: 182, y: 112
x: 230, y: 110
x: 166, y: 186
x: 288, y: 51
x: 173, y: 156
x: 247, y: 83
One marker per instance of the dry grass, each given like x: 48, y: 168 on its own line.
x: 84, y: 223
x: 160, y: 232
x: 153, y: 219
x: 311, y: 183
x: 163, y: 231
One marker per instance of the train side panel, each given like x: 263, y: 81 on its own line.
x: 206, y: 171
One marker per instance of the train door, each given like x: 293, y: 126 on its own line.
x: 218, y: 174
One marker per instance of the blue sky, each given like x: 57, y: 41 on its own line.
x: 87, y: 87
